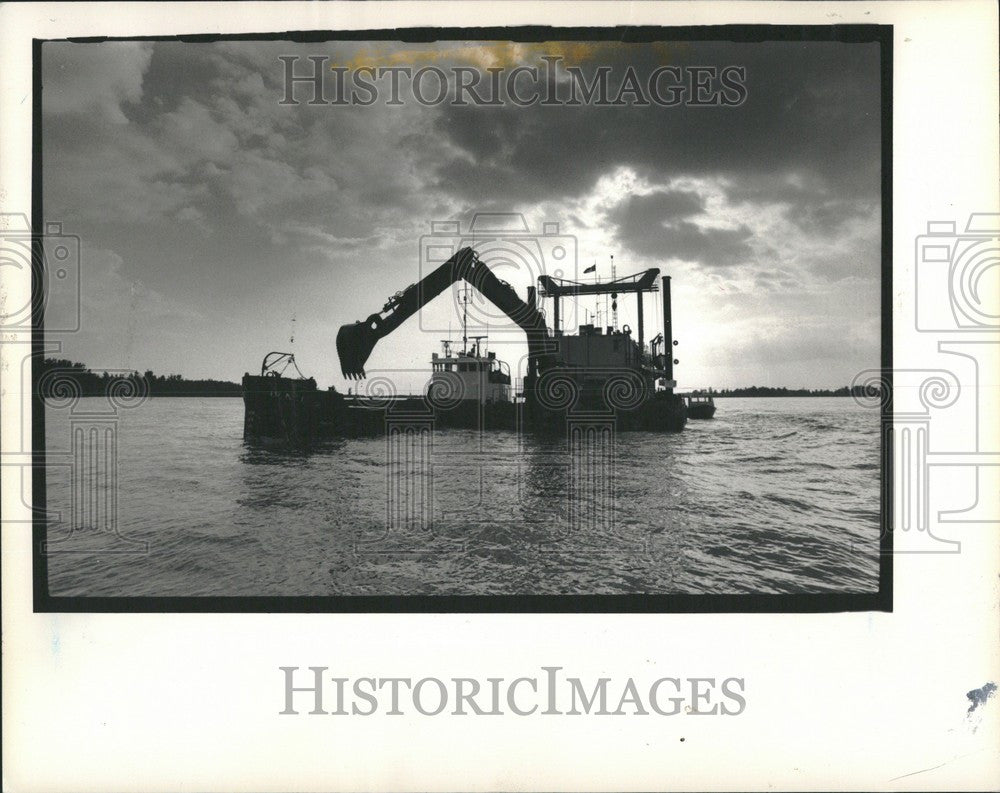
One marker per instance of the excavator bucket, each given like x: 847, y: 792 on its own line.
x: 355, y: 343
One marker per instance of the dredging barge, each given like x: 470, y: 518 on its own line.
x: 597, y: 373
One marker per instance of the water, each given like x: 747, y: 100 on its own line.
x: 772, y: 496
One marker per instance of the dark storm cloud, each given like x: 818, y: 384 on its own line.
x: 825, y: 217
x: 657, y: 225
x: 196, y: 131
x: 812, y: 109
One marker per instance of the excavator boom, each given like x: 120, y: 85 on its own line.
x: 355, y: 342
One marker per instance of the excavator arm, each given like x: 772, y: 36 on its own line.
x: 355, y: 342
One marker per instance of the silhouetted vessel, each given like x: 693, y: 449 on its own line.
x: 700, y: 406
x: 601, y: 375
x: 471, y: 388
x: 467, y: 390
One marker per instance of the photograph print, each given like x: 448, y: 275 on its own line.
x: 531, y: 319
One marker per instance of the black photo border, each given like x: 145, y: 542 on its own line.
x: 881, y: 600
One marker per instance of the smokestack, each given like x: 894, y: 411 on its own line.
x: 668, y: 332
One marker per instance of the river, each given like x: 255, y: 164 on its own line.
x: 771, y: 496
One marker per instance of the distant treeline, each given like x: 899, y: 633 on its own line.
x: 864, y: 391
x: 58, y: 376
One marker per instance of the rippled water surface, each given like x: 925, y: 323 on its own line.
x: 772, y: 496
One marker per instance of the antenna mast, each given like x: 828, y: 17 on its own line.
x: 597, y: 299
x: 614, y: 297
x: 464, y: 297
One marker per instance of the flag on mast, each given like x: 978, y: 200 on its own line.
x: 591, y: 268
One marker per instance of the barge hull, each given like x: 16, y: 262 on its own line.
x: 294, y: 412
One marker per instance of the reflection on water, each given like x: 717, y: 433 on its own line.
x: 771, y: 496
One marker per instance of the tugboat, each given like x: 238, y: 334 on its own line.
x: 470, y: 388
x: 700, y: 406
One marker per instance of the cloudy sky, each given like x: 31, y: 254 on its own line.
x: 210, y: 215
